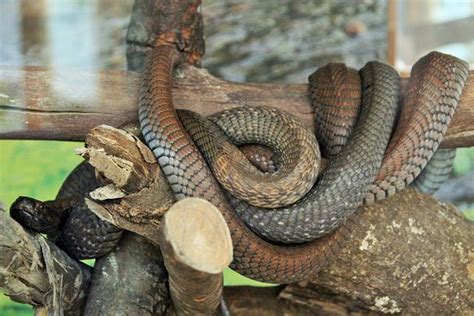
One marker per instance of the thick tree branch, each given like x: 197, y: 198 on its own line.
x: 408, y: 254
x: 41, y: 104
x: 192, y: 252
x: 133, y: 274
x: 247, y: 300
x: 138, y: 194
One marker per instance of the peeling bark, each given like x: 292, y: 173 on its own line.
x: 35, y: 271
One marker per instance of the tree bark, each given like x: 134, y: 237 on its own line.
x: 247, y: 300
x: 258, y: 41
x: 195, y: 268
x: 178, y: 23
x: 33, y: 112
x: 408, y: 254
x: 35, y: 271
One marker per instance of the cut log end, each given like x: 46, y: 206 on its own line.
x: 198, y: 234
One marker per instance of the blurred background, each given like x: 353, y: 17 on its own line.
x: 255, y: 41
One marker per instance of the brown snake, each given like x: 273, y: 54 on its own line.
x: 352, y: 134
x: 435, y: 88
x: 182, y: 162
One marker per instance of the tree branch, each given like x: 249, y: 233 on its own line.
x: 35, y: 271
x: 195, y: 254
x: 66, y: 105
x: 165, y: 22
x: 196, y: 246
x: 408, y: 254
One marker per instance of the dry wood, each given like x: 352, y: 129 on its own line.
x: 247, y: 300
x: 133, y: 274
x: 36, y: 272
x: 196, y: 247
x: 138, y: 195
x: 196, y: 269
x: 408, y: 254
x: 41, y: 104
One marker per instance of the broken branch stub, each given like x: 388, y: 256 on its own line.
x: 197, y: 247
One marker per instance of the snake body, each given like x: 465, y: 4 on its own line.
x: 343, y: 184
x: 351, y: 177
x: 287, y: 137
x: 436, y: 172
x: 67, y: 221
x: 185, y: 168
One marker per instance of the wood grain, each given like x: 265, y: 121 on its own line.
x: 43, y: 104
x: 196, y: 246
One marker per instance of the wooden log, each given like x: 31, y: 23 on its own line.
x: 248, y: 300
x: 35, y: 271
x: 144, y: 194
x: 43, y: 104
x: 137, y: 195
x: 408, y: 254
x: 196, y: 247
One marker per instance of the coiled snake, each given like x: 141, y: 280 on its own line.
x: 357, y: 172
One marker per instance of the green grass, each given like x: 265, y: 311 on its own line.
x: 34, y: 168
x: 10, y: 308
x: 37, y: 169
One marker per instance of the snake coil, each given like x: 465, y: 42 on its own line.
x: 356, y: 112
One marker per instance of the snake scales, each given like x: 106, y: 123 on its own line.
x: 352, y: 175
